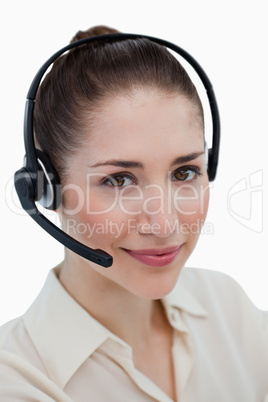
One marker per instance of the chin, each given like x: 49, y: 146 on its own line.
x: 157, y: 286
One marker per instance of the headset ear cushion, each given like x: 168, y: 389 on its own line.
x: 25, y: 184
x: 48, y: 183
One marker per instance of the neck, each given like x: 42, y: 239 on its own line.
x: 130, y: 317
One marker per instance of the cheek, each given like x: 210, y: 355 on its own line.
x: 98, y: 216
x: 191, y: 204
x: 99, y: 224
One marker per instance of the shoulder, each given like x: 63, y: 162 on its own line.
x: 21, y: 381
x: 222, y: 296
x: 209, y: 284
x: 232, y: 335
x: 16, y: 345
x: 23, y: 376
x: 6, y: 329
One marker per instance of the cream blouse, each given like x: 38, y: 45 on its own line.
x: 57, y: 352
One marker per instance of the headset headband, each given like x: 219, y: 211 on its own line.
x: 28, y: 127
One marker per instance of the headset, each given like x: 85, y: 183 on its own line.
x: 38, y: 181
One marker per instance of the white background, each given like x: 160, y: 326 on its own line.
x: 229, y: 39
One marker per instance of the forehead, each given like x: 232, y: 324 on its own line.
x: 143, y: 124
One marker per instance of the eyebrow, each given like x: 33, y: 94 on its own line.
x: 133, y: 164
x: 186, y: 158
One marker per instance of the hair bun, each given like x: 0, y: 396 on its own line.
x: 94, y: 31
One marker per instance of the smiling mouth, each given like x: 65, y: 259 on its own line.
x: 155, y: 257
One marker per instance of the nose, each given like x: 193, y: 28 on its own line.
x: 159, y: 216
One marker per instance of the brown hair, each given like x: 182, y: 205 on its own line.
x: 80, y: 79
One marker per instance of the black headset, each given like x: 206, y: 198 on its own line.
x: 37, y: 180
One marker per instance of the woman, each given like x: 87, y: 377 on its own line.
x: 123, y: 125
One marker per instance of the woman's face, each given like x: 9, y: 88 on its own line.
x: 138, y: 189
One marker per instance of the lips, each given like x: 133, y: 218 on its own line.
x: 155, y: 257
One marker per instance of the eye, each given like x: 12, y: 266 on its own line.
x: 118, y: 180
x: 186, y: 173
